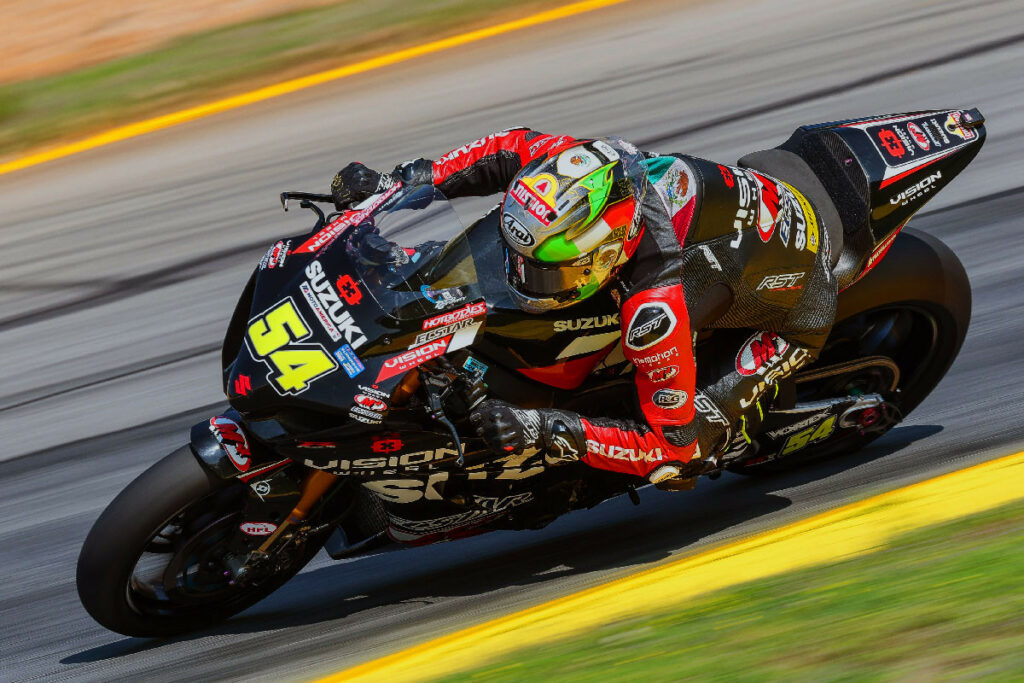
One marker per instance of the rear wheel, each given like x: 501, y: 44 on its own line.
x: 906, y: 346
x: 158, y: 560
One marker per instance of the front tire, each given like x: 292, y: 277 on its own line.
x: 178, y: 510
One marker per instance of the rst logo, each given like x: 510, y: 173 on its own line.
x: 329, y: 309
x: 652, y: 322
x: 774, y: 283
x: 593, y: 323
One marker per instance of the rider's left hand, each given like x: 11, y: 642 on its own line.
x: 356, y: 182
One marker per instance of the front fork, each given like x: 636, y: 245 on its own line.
x: 224, y: 448
x: 315, y: 485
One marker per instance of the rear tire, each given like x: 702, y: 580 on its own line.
x: 135, y: 524
x: 921, y: 331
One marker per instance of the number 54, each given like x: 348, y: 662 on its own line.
x: 272, y: 338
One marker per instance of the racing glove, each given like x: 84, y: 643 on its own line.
x: 356, y: 182
x: 509, y: 430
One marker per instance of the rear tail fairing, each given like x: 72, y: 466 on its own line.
x: 880, y: 170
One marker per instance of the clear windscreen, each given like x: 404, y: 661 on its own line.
x: 413, y: 254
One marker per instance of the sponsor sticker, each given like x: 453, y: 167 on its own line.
x: 918, y: 136
x: 329, y: 308
x: 475, y: 366
x: 917, y: 190
x: 577, y: 162
x: 613, y: 452
x: 767, y: 206
x: 471, y: 310
x: 417, y: 460
x: 516, y: 232
x: 657, y: 357
x: 534, y: 204
x: 243, y: 385
x: 663, y: 374
x: 349, y: 361
x: 592, y: 323
x: 437, y: 333
x: 276, y: 255
x: 232, y: 439
x: 670, y: 399
x: 651, y: 323
x: 349, y: 290
x: 443, y: 298
x: 758, y: 351
x: 370, y: 403
x: 783, y: 281
x: 257, y: 528
x: 403, y: 362
x: 386, y: 443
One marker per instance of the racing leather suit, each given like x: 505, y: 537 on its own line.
x: 722, y: 247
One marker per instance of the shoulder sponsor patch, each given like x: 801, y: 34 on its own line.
x: 652, y: 322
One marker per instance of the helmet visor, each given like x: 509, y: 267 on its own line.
x: 547, y: 280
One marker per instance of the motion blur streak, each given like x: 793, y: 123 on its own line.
x: 296, y: 84
x: 850, y: 530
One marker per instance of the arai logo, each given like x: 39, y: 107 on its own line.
x: 517, y: 232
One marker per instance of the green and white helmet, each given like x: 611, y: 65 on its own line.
x: 569, y: 221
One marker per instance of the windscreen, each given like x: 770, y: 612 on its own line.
x: 413, y: 255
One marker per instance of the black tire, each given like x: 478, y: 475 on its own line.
x: 131, y: 526
x: 923, y: 287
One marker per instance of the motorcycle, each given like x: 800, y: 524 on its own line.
x: 351, y: 364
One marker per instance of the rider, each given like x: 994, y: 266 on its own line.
x: 684, y: 244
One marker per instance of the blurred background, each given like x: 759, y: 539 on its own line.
x: 123, y: 263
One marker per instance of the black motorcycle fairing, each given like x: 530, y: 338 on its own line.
x: 225, y: 447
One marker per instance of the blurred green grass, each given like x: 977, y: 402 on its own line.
x: 229, y: 60
x: 941, y: 603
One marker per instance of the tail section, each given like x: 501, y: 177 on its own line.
x: 880, y: 170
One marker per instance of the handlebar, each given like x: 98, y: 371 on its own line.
x: 306, y: 197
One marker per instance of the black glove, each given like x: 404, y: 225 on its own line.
x: 508, y: 430
x: 356, y: 182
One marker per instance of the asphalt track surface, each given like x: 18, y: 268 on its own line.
x: 122, y: 265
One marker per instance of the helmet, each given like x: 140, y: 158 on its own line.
x: 569, y: 221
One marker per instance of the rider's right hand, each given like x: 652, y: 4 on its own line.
x: 356, y: 182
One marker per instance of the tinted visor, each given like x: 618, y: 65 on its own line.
x: 546, y: 280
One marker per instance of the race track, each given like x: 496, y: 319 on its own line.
x: 122, y: 265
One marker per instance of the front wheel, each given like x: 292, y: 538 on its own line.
x: 156, y: 562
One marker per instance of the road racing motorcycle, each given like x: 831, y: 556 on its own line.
x: 351, y: 364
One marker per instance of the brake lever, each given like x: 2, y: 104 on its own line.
x: 435, y: 391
